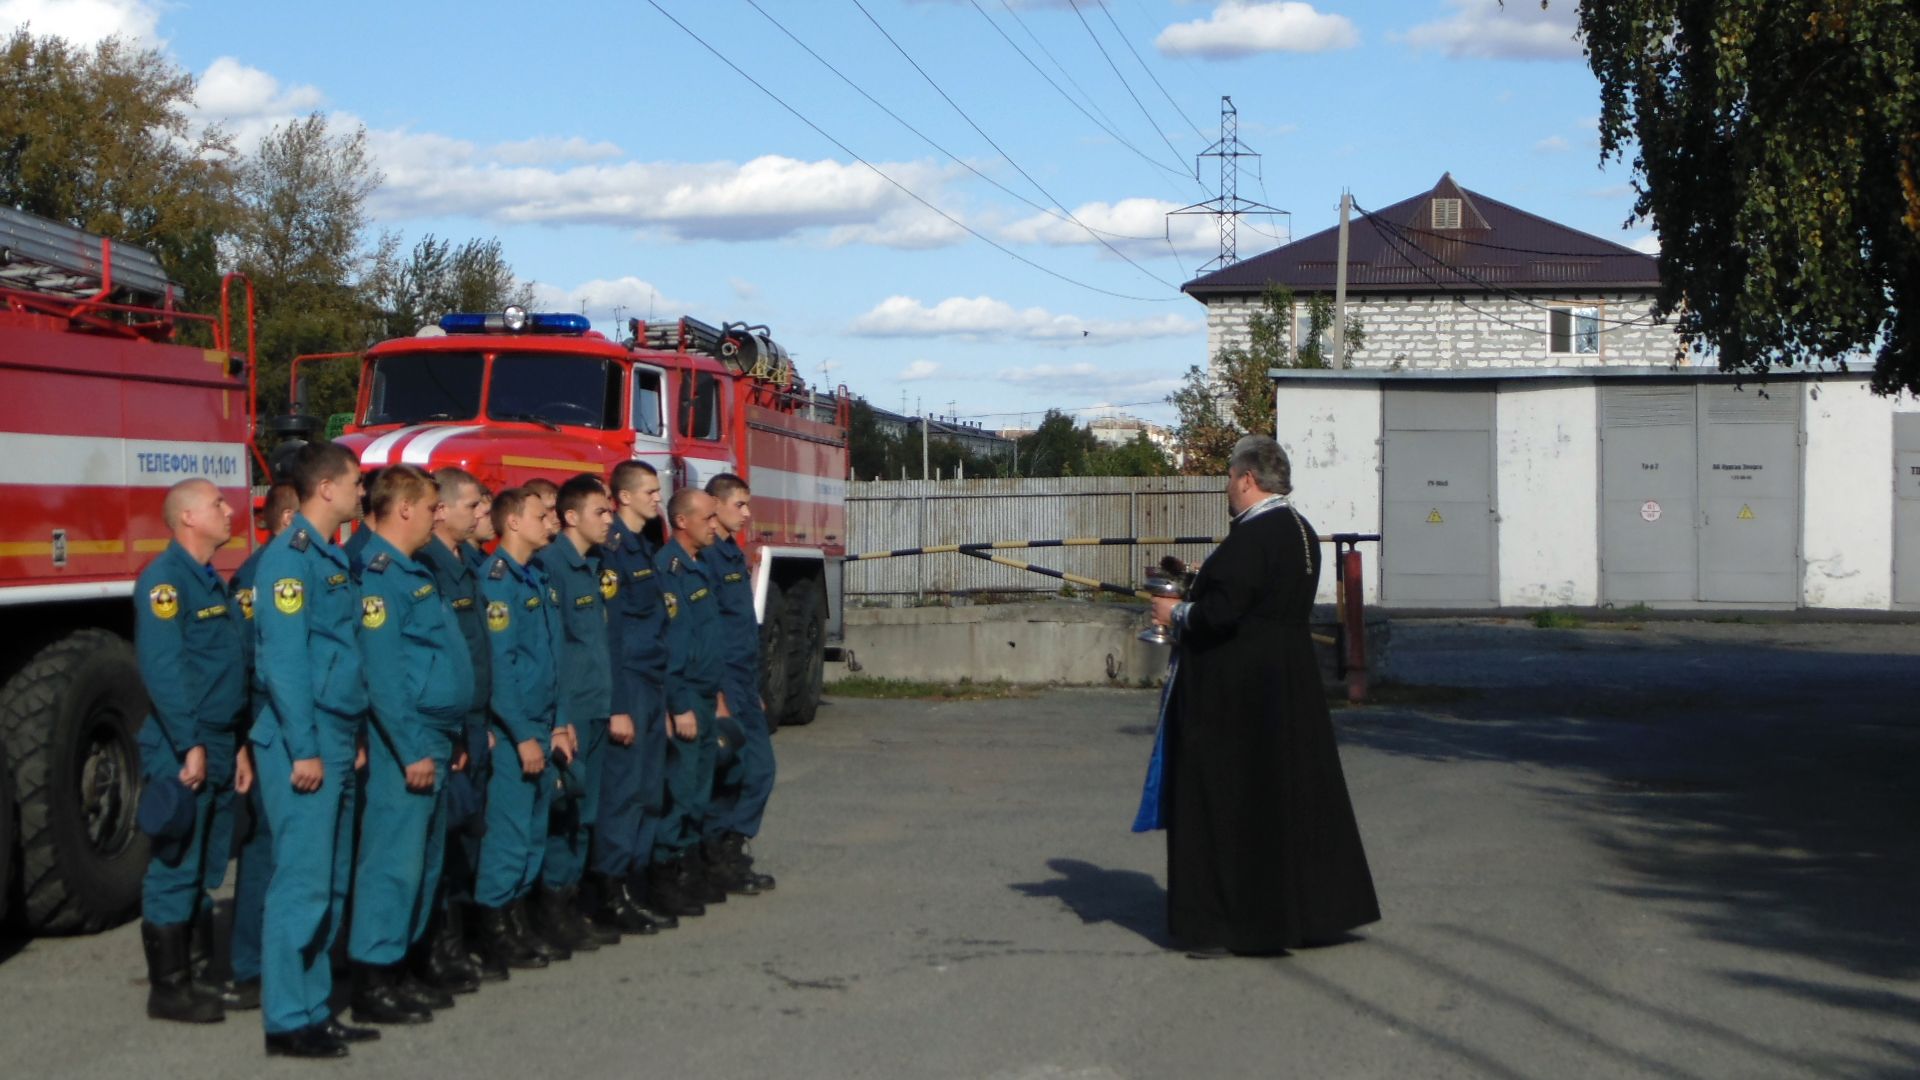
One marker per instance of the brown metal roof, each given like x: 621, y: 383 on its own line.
x: 1495, y: 247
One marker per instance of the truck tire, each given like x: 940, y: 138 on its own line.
x: 9, y: 834
x: 773, y: 657
x: 69, y: 720
x: 805, y: 634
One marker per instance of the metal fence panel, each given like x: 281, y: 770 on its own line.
x: 890, y: 514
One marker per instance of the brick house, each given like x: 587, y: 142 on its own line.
x: 1453, y: 279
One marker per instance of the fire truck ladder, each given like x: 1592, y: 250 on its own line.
x: 47, y: 257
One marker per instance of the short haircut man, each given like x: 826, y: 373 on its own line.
x: 1261, y: 456
x: 547, y: 490
x: 574, y: 494
x: 682, y: 502
x: 397, y: 484
x: 454, y: 482
x: 508, y: 504
x: 318, y: 462
x: 281, y: 503
x: 725, y: 484
x: 627, y: 474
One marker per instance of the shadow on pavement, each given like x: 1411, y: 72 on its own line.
x: 1128, y: 899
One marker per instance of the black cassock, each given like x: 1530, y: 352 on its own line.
x: 1262, y: 849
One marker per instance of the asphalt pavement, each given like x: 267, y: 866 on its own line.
x: 1686, y: 850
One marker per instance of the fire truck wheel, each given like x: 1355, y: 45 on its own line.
x: 9, y: 834
x: 805, y: 632
x: 68, y: 719
x: 773, y: 657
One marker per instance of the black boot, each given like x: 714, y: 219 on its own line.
x: 615, y: 910
x: 734, y: 849
x: 439, y: 960
x: 453, y: 942
x: 413, y: 987
x: 636, y: 889
x: 474, y: 947
x: 522, y: 922
x: 307, y: 1042
x: 170, y: 993
x: 377, y: 998
x: 696, y: 881
x: 347, y: 1034
x: 246, y: 996
x: 723, y: 872
x: 557, y: 921
x: 499, y: 943
x: 666, y: 894
x: 585, y: 900
x: 206, y: 982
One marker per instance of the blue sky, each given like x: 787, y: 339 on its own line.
x: 623, y: 165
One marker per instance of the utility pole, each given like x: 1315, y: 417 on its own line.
x: 1228, y: 206
x: 1340, y: 287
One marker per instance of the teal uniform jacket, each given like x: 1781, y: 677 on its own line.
x: 733, y: 587
x: 694, y: 660
x: 524, y: 631
x: 240, y: 594
x: 191, y: 653
x: 419, y: 675
x: 637, y: 622
x: 307, y: 658
x: 586, y: 686
x: 459, y: 582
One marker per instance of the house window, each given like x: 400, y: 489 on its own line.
x: 1574, y: 330
x: 1446, y: 213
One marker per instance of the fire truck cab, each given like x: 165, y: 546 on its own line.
x: 514, y: 395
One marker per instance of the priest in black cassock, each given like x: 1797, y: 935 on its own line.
x: 1263, y: 853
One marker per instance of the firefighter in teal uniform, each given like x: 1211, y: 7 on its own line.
x: 307, y: 667
x: 193, y: 663
x: 420, y: 681
x: 523, y: 627
x: 692, y: 686
x: 740, y: 796
x: 572, y: 565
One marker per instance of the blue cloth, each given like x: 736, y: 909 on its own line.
x: 523, y: 631
x: 740, y: 797
x: 1153, y: 796
x: 694, y: 666
x: 633, y: 778
x: 174, y: 890
x: 572, y: 824
x: 403, y: 837
x: 583, y: 590
x: 689, y: 784
x: 515, y: 848
x: 314, y: 700
x: 256, y: 847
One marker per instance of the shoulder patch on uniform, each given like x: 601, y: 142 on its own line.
x: 464, y: 603
x: 673, y: 604
x: 609, y: 582
x: 498, y: 570
x: 289, y: 595
x: 735, y: 578
x: 301, y: 541
x: 583, y: 600
x: 164, y: 599
x: 533, y: 602
x: 498, y: 615
x: 423, y: 591
x: 380, y: 563
x: 373, y: 612
x: 698, y: 594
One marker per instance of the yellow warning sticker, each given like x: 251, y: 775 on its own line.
x: 1434, y: 518
x: 1746, y: 513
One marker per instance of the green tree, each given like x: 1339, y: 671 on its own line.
x: 435, y: 278
x: 301, y: 240
x: 101, y: 139
x: 1136, y: 457
x: 1058, y: 447
x: 1775, y: 145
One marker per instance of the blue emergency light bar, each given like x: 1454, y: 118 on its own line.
x: 515, y: 320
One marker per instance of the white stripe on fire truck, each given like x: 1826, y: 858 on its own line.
x: 377, y: 451
x: 86, y: 460
x: 701, y: 470
x: 420, y: 450
x: 797, y: 487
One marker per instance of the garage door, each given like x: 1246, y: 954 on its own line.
x: 1437, y: 520
x: 1906, y: 509
x: 1700, y: 494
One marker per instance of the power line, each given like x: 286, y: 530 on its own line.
x: 1031, y: 62
x: 1122, y: 35
x: 1406, y: 229
x: 924, y: 137
x: 1075, y: 4
x: 884, y: 175
x: 901, y: 49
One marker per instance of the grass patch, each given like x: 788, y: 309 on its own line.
x: 863, y: 686
x: 1556, y: 619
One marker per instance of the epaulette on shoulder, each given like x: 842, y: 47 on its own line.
x: 301, y: 541
x: 498, y: 571
x: 380, y: 563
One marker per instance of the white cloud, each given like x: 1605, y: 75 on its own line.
x: 1552, y: 144
x: 1648, y: 244
x: 84, y: 22
x: 635, y: 297
x: 743, y: 289
x: 1486, y: 29
x: 230, y: 90
x: 918, y: 370
x: 984, y: 318
x: 1137, y: 226
x: 542, y: 151
x: 909, y: 228
x: 1245, y: 27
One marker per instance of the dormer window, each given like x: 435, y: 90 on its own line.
x: 1446, y: 213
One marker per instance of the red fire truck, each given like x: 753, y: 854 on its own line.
x: 514, y: 395
x: 100, y: 412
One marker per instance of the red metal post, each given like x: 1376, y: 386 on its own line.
x: 1354, y: 624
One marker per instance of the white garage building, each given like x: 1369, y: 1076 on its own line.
x: 1613, y: 486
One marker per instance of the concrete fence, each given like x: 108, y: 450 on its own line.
x: 889, y: 514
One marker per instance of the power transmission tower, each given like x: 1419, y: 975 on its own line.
x: 1229, y: 205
